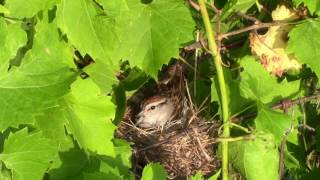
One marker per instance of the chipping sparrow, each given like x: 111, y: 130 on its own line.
x: 155, y: 112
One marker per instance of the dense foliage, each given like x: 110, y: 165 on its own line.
x: 60, y: 99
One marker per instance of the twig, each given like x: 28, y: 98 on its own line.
x: 175, y: 136
x: 233, y: 139
x: 208, y: 158
x: 252, y: 27
x: 186, y: 63
x: 284, y: 105
x: 214, y: 8
x: 194, y: 5
x: 282, y: 146
x: 233, y: 33
x: 196, y: 55
x: 251, y: 18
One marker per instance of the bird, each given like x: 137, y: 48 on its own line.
x: 163, y: 107
x: 155, y: 112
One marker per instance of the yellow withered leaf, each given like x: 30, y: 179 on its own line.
x: 270, y: 47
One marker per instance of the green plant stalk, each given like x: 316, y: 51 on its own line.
x: 222, y: 86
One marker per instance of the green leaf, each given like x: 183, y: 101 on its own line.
x: 49, y: 45
x: 257, y: 84
x: 313, y: 5
x: 73, y: 162
x: 135, y: 79
x: 4, y: 10
x: 151, y: 34
x: 270, y: 121
x: 51, y: 122
x: 154, y: 172
x: 123, y: 161
x: 215, y: 176
x: 304, y: 42
x: 256, y: 159
x: 233, y: 92
x: 22, y: 8
x: 100, y: 176
x: 197, y: 176
x: 27, y: 155
x: 12, y: 37
x: 42, y: 79
x: 89, y: 117
x: 91, y: 32
x: 236, y: 5
x: 148, y: 35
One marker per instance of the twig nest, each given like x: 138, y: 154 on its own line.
x: 183, y: 151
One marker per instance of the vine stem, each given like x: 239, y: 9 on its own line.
x: 222, y: 86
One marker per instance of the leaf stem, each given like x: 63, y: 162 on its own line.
x: 222, y: 86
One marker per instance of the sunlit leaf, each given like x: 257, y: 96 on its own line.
x: 257, y: 84
x: 89, y: 117
x: 42, y: 79
x: 270, y: 121
x: 21, y: 8
x: 27, y: 155
x: 154, y: 172
x: 304, y: 42
x: 12, y: 37
x: 256, y: 159
x: 313, y: 5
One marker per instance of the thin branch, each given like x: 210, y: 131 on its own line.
x: 205, y: 154
x: 251, y: 18
x: 250, y: 28
x: 214, y: 8
x: 284, y: 105
x: 282, y: 147
x: 233, y: 33
x: 194, y: 5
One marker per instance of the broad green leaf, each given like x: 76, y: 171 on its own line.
x: 100, y: 176
x: 270, y: 121
x: 154, y: 172
x: 304, y: 42
x: 151, y: 34
x: 51, y: 122
x: 5, y: 174
x: 197, y: 176
x: 148, y: 35
x: 89, y: 117
x: 256, y: 159
x: 27, y: 9
x: 235, y: 6
x: 313, y: 5
x: 12, y: 37
x: 73, y: 163
x: 102, y: 75
x: 257, y: 84
x: 28, y: 156
x: 38, y: 83
x: 114, y: 8
x: 122, y: 163
x: 4, y: 10
x: 135, y: 79
x: 91, y: 32
x: 237, y: 102
x: 215, y: 176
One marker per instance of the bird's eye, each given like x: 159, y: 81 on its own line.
x: 152, y: 107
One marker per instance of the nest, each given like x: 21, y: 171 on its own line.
x: 185, y: 145
x: 182, y: 150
